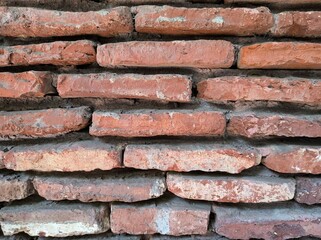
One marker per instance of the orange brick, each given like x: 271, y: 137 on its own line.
x: 252, y: 126
x: 54, y: 53
x: 280, y: 55
x: 165, y: 87
x: 42, y: 123
x: 298, y: 24
x: 195, y: 54
x: 33, y: 22
x: 158, y: 123
x: 25, y: 84
x: 236, y: 88
x: 199, y: 21
x: 185, y: 158
x: 64, y: 157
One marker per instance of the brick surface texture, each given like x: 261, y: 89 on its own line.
x: 160, y: 119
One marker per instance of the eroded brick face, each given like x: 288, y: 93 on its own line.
x: 146, y: 124
x: 203, y: 21
x: 194, y: 54
x: 32, y: 22
x: 160, y: 119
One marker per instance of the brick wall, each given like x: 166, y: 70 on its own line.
x: 160, y: 119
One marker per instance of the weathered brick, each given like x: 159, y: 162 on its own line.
x: 294, y: 160
x: 209, y: 236
x: 118, y: 186
x: 33, y: 22
x: 276, y: 2
x: 195, y: 54
x: 298, y: 24
x: 15, y: 186
x: 166, y: 87
x: 54, y: 53
x: 252, y: 126
x: 185, y: 158
x: 102, y: 236
x: 158, y: 123
x: 235, y: 88
x: 42, y: 123
x: 195, y: 21
x: 25, y: 84
x: 55, y: 219
x: 64, y: 157
x: 308, y: 190
x: 172, y: 217
x: 267, y: 221
x: 280, y: 55
x: 243, y: 188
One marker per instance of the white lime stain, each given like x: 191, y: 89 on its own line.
x: 52, y: 229
x: 162, y: 221
x: 167, y: 19
x: 218, y: 20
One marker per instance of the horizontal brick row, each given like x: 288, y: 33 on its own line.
x: 90, y: 155
x: 277, y: 2
x: 58, y: 121
x: 161, y: 87
x: 59, y: 219
x: 256, y: 186
x: 31, y: 22
x: 190, y: 54
x: 226, y: 21
x: 168, y: 216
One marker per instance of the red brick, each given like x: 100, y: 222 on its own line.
x: 166, y: 87
x: 185, y: 158
x: 102, y: 236
x: 199, y: 21
x: 281, y: 55
x: 124, y: 187
x: 195, y: 54
x: 236, y: 88
x: 294, y: 160
x: 15, y: 186
x: 55, y: 219
x: 298, y: 24
x: 64, y: 157
x: 54, y: 53
x: 172, y: 217
x: 308, y: 190
x: 276, y: 2
x: 252, y: 126
x: 267, y: 221
x: 42, y: 123
x: 25, y: 84
x: 158, y: 123
x: 33, y: 22
x: 209, y: 236
x: 247, y: 189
